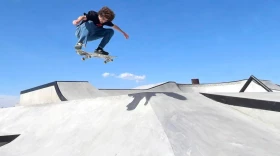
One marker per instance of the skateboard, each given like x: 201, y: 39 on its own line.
x: 87, y: 55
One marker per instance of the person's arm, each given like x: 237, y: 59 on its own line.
x: 120, y: 30
x: 79, y: 19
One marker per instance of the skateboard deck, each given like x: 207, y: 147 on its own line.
x: 87, y: 55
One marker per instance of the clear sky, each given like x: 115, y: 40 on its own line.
x: 213, y: 40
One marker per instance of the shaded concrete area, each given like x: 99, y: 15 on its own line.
x: 268, y: 96
x: 137, y: 97
x: 5, y: 139
x: 246, y: 101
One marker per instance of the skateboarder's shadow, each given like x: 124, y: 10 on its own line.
x: 148, y: 95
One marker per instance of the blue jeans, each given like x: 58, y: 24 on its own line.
x: 88, y: 31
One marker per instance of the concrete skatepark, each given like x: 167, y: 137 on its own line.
x: 73, y: 118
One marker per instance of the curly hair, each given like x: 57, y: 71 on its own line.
x: 107, y: 13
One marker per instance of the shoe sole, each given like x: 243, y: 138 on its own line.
x: 78, y: 47
x: 101, y: 53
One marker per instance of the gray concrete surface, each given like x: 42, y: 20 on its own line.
x: 73, y: 90
x: 59, y: 91
x: 169, y: 119
x: 142, y: 124
x: 223, y: 87
x: 79, y: 90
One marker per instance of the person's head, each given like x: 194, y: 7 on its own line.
x: 105, y: 14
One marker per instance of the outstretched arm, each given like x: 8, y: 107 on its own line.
x: 120, y: 30
x: 79, y: 19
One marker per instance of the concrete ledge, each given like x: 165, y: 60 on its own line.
x: 245, y: 102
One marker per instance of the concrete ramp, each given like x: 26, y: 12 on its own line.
x: 169, y: 86
x: 101, y: 127
x: 198, y: 126
x: 142, y: 124
x: 233, y: 86
x: 78, y: 90
x: 166, y: 87
x: 59, y: 91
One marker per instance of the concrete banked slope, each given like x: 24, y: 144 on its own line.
x: 223, y: 87
x: 59, y: 91
x: 161, y: 121
x: 147, y: 124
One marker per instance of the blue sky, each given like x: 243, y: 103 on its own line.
x: 213, y: 40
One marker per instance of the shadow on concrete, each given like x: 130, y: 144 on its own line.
x: 245, y: 102
x: 7, y: 139
x: 148, y: 95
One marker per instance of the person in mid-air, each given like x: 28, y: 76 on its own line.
x: 90, y: 27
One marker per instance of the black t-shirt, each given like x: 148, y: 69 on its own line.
x: 93, y: 16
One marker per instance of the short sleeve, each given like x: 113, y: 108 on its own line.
x: 109, y: 23
x: 90, y: 15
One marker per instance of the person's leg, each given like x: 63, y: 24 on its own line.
x: 105, y: 34
x: 82, y: 33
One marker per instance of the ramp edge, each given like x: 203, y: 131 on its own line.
x: 54, y: 83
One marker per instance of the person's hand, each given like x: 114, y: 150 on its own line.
x: 125, y: 35
x: 75, y: 22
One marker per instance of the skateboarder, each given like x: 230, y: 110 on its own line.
x: 90, y: 27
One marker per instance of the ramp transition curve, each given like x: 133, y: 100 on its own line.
x: 59, y: 91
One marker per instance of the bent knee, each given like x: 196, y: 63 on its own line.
x: 110, y: 31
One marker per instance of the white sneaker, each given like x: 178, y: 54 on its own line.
x: 78, y: 46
